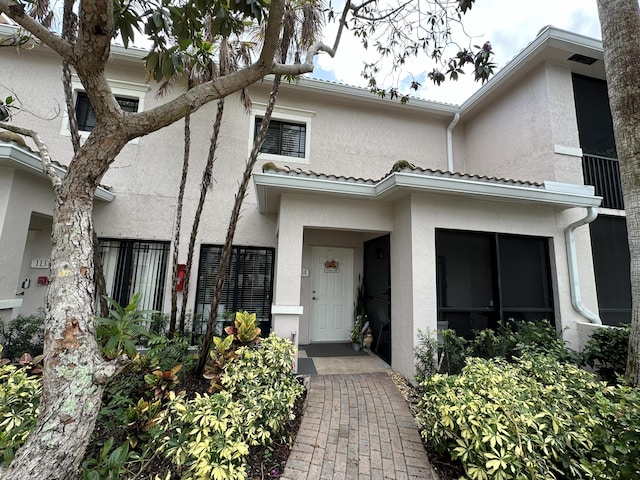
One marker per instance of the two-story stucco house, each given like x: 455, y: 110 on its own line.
x: 452, y: 216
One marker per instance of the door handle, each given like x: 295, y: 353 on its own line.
x: 314, y: 298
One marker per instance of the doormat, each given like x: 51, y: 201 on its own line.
x: 306, y: 367
x: 331, y: 350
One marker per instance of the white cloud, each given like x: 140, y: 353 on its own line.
x: 509, y: 25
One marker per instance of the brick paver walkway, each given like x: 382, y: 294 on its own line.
x: 357, y: 427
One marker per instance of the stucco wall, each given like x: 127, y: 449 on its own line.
x: 38, y: 246
x: 26, y: 195
x: 516, y: 136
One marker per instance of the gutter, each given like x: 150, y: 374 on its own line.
x: 450, y: 128
x: 572, y: 259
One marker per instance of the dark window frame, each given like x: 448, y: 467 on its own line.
x: 86, y: 116
x: 496, y: 307
x: 611, y: 265
x: 276, y: 142
x: 234, y: 296
x: 126, y: 254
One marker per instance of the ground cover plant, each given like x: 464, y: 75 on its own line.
x: 159, y: 421
x: 22, y: 334
x: 524, y: 411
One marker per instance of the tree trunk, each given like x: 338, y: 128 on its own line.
x: 176, y: 234
x: 205, y: 185
x: 74, y: 372
x: 233, y: 223
x: 620, y: 25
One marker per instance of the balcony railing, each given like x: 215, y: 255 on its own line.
x: 604, y: 174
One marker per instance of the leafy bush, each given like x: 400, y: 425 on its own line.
x: 510, y: 340
x: 209, y: 436
x: 119, y: 333
x: 19, y: 400
x: 536, y: 419
x: 426, y: 355
x: 245, y: 329
x: 22, y: 334
x: 606, y: 352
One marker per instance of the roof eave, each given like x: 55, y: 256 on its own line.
x: 554, y: 194
x: 28, y: 161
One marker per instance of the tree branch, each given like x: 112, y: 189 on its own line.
x: 43, y: 151
x: 386, y: 16
x: 307, y: 66
x: 143, y: 123
x: 16, y: 12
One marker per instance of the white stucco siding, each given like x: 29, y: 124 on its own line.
x: 513, y: 138
x: 362, y: 139
x: 406, y: 314
x: 38, y: 246
x: 25, y: 195
x: 564, y: 125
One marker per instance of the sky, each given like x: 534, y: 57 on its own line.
x: 510, y: 25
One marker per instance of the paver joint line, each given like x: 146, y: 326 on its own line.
x: 359, y: 427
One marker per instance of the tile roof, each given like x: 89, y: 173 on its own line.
x: 399, y: 166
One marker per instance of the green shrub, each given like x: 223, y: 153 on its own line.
x: 536, y: 418
x: 510, y: 340
x: 119, y: 333
x: 23, y: 334
x: 209, y: 436
x: 606, y: 352
x: 19, y: 400
x: 426, y: 356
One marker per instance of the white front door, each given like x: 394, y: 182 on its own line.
x: 331, y: 294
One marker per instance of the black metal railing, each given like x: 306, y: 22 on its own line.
x: 604, y: 174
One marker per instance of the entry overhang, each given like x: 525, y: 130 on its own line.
x: 15, y: 156
x: 271, y: 185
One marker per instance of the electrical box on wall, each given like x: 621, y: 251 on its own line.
x: 305, y: 272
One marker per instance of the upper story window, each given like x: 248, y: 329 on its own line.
x: 87, y: 117
x: 283, y: 138
x: 288, y: 135
x: 130, y: 96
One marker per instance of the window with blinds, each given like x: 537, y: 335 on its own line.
x: 248, y: 286
x: 283, y: 138
x: 86, y: 116
x: 131, y: 266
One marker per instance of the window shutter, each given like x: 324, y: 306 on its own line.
x: 283, y: 138
x: 86, y: 116
x: 84, y: 113
x: 248, y: 285
x: 293, y: 140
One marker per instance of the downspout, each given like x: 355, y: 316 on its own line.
x: 450, y: 128
x: 572, y: 259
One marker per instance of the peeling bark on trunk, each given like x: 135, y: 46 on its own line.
x: 75, y: 373
x: 620, y: 25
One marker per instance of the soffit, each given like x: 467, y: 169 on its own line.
x: 405, y: 179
